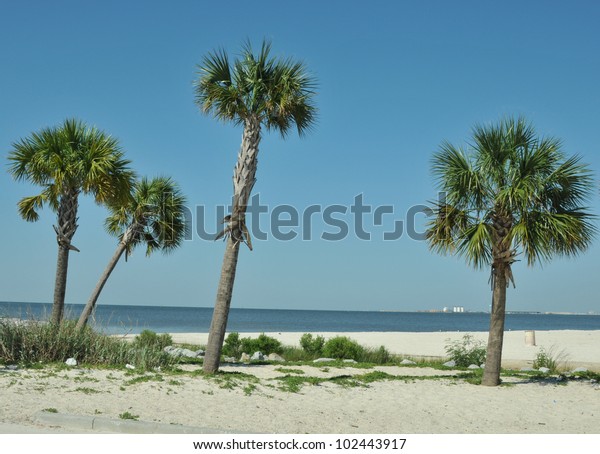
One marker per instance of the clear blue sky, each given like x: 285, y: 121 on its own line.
x: 395, y: 79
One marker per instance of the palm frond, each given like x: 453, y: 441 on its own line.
x: 475, y: 244
x: 279, y: 93
x: 510, y: 174
x: 28, y: 206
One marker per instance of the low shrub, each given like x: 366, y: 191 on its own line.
x: 312, y: 345
x: 232, y: 345
x: 235, y: 346
x: 263, y: 343
x: 149, y: 339
x: 466, y: 351
x: 342, y: 347
x: 377, y: 356
x: 555, y: 361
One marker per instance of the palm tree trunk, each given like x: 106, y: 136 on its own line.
x: 60, y: 285
x: 67, y: 225
x: 91, y: 304
x: 243, y: 182
x: 218, y: 326
x: 491, y: 374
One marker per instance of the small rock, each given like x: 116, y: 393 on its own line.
x: 245, y: 358
x: 527, y: 369
x: 349, y: 361
x: 482, y: 366
x: 579, y: 369
x: 323, y: 360
x: 593, y: 380
x: 199, y: 353
x: 175, y: 351
x: 129, y: 366
x: 544, y: 370
x: 71, y: 362
x: 229, y: 359
x: 450, y: 364
x: 407, y: 362
x: 257, y: 356
x: 275, y: 357
x: 473, y: 366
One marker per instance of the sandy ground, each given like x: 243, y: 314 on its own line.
x: 250, y: 399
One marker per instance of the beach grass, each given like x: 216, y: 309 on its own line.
x: 34, y: 344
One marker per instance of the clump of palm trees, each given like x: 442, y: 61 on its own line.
x: 509, y: 194
x: 74, y: 159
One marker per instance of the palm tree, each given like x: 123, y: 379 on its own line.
x: 511, y: 193
x: 66, y: 161
x: 255, y: 91
x: 153, y: 215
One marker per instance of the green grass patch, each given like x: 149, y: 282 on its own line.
x: 144, y: 379
x: 86, y: 390
x: 285, y: 370
x: 129, y: 416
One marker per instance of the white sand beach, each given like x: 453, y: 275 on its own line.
x: 255, y: 400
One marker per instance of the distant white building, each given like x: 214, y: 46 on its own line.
x: 458, y: 309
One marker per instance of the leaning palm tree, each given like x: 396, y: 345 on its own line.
x: 254, y: 91
x: 510, y: 193
x: 66, y: 161
x: 154, y: 215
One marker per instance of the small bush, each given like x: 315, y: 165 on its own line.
x: 263, y: 343
x: 149, y: 339
x: 342, y: 347
x: 466, y: 351
x: 235, y: 346
x: 378, y: 356
x: 232, y: 345
x: 312, y: 345
x: 555, y: 361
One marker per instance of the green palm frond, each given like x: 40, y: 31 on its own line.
x: 509, y: 174
x: 445, y: 226
x: 475, y: 244
x: 154, y: 215
x: 28, y: 206
x: 278, y: 93
x: 71, y: 156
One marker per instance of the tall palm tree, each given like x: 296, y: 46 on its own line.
x: 154, y: 215
x: 510, y: 193
x: 254, y: 91
x: 66, y: 161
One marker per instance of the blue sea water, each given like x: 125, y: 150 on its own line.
x: 114, y: 319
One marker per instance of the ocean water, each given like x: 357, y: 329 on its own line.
x: 134, y: 319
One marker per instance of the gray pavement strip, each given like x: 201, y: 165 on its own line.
x: 124, y: 426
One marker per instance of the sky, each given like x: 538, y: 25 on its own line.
x: 395, y: 79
